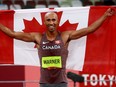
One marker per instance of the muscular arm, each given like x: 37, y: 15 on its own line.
x: 93, y: 27
x: 28, y: 37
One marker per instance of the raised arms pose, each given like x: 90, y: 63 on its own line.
x: 53, y: 75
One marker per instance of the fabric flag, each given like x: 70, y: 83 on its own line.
x: 100, y: 58
x: 97, y: 46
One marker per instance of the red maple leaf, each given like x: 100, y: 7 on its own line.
x: 34, y: 26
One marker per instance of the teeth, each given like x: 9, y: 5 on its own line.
x: 51, y: 26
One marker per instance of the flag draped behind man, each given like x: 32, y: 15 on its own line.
x: 92, y: 54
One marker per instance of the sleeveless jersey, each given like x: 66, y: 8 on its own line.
x: 53, y: 56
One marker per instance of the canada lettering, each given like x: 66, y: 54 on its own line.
x: 51, y: 47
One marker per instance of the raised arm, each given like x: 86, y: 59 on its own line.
x: 28, y: 37
x: 93, y: 27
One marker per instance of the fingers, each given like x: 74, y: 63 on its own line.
x: 111, y: 11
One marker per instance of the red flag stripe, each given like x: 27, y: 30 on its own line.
x: 6, y: 44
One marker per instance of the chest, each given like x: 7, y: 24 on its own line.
x: 51, y: 46
x: 55, y: 47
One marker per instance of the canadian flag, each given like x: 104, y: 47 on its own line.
x: 95, y: 50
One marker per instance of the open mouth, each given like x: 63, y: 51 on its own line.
x: 51, y: 26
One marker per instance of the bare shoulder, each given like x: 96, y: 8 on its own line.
x: 36, y: 33
x: 37, y: 36
x: 67, y: 32
x: 66, y: 35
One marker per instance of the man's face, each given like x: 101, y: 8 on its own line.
x: 51, y: 21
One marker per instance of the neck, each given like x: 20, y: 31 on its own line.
x: 51, y: 35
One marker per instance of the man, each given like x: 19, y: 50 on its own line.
x: 52, y: 47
